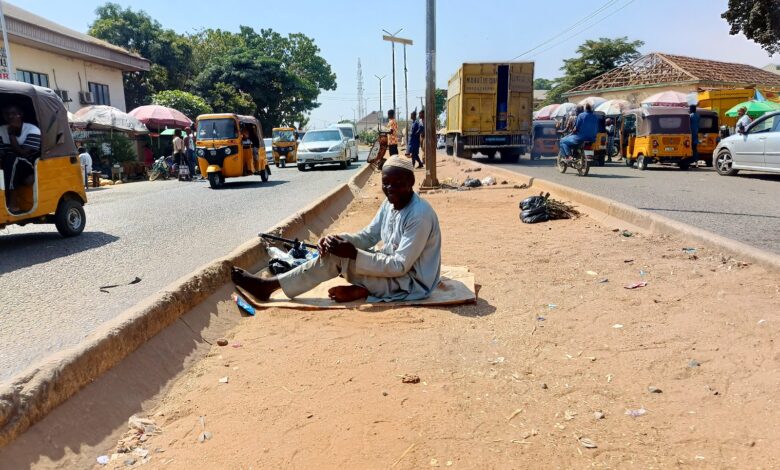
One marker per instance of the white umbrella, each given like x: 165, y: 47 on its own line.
x: 563, y: 110
x: 593, y: 100
x: 100, y: 117
x: 673, y: 99
x: 613, y: 107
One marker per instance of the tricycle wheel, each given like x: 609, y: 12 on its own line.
x: 684, y: 165
x: 560, y: 164
x: 641, y: 163
x: 264, y: 174
x: 283, y: 163
x: 629, y: 163
x: 214, y: 180
x: 301, y: 167
x: 70, y: 219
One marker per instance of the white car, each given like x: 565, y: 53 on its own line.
x: 268, y: 143
x: 350, y: 131
x: 758, y: 149
x: 324, y: 146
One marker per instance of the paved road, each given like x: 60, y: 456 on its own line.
x: 158, y: 231
x: 745, y: 207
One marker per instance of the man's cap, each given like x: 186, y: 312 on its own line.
x: 399, y: 162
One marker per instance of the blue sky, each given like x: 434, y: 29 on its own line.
x: 467, y: 31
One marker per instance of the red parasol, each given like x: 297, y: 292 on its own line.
x: 158, y: 117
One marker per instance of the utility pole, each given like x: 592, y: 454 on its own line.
x: 381, y: 114
x: 6, y: 47
x: 392, y: 38
x: 431, y: 181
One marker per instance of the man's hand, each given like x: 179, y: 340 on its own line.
x: 337, y: 246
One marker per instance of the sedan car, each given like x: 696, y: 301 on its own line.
x: 349, y: 130
x: 758, y: 149
x: 324, y: 146
x: 268, y: 143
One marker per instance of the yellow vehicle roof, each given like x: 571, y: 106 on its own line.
x: 284, y: 129
x: 241, y: 118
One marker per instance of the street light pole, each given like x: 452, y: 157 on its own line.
x: 392, y: 43
x: 381, y: 114
x: 431, y: 181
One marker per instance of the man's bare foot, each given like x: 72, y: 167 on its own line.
x: 257, y: 286
x: 347, y: 293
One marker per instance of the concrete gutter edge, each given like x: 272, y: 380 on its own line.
x: 29, y: 396
x: 645, y: 220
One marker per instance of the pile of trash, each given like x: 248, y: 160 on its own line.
x: 542, y: 208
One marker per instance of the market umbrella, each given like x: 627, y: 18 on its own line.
x: 563, y: 110
x: 107, y: 118
x: 613, y: 107
x: 70, y: 117
x: 593, y: 100
x: 545, y: 112
x: 157, y: 116
x: 754, y: 108
x: 669, y: 99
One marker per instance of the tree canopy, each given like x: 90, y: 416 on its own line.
x: 543, y: 84
x: 758, y: 20
x: 595, y: 58
x: 274, y: 77
x: 191, y: 105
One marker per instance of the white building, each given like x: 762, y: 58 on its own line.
x: 82, y: 69
x: 774, y: 68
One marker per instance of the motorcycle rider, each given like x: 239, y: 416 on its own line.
x: 585, y: 130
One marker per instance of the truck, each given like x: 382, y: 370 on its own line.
x: 489, y: 107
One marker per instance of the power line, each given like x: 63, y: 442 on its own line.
x: 586, y: 18
x: 583, y: 30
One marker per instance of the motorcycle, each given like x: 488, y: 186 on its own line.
x: 160, y: 170
x: 581, y: 159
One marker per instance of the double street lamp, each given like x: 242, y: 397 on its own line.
x: 393, y: 38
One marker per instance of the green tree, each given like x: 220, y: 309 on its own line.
x: 191, y: 105
x: 224, y: 98
x: 595, y: 58
x: 758, y: 20
x: 169, y: 53
x: 543, y: 84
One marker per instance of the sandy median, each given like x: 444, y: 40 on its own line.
x: 546, y: 363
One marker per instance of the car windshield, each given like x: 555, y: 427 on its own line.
x: 347, y: 132
x: 321, y: 136
x: 217, y: 129
x: 284, y: 136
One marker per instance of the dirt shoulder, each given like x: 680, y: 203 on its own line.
x: 512, y: 381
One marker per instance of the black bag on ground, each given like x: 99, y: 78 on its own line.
x: 532, y: 219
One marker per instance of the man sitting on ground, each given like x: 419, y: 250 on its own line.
x: 585, y: 130
x: 406, y: 267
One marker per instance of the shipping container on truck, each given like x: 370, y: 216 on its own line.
x: 489, y: 108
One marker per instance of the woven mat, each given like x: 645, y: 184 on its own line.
x: 456, y: 287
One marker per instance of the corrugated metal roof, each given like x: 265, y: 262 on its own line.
x: 667, y: 69
x: 15, y: 14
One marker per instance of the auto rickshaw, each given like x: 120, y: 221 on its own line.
x: 54, y: 191
x: 285, y: 145
x: 544, y: 139
x: 709, y: 135
x: 229, y: 146
x: 600, y: 144
x: 658, y: 135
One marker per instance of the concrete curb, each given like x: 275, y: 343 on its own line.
x: 644, y: 220
x: 31, y: 395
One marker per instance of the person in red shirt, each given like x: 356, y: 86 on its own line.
x: 392, y: 138
x: 148, y: 157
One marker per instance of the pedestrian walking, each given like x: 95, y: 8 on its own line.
x: 744, y: 120
x: 189, y: 145
x: 179, y: 152
x: 414, y: 141
x: 421, y: 120
x: 392, y: 138
x: 85, y: 159
x: 610, y: 126
x: 695, y: 118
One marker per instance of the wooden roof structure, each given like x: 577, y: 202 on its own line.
x: 657, y: 69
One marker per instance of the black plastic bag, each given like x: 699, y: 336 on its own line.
x: 541, y: 217
x: 472, y: 183
x: 278, y: 266
x: 534, y: 201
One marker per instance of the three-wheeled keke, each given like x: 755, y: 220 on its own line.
x: 229, y: 146
x: 657, y: 135
x: 285, y: 146
x: 709, y: 135
x: 544, y: 139
x: 40, y: 175
x: 600, y: 144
